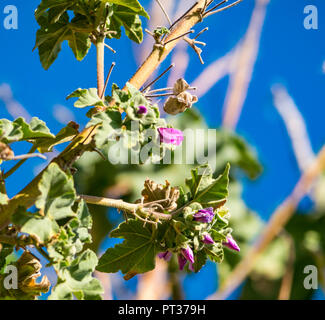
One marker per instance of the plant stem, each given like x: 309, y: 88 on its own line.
x: 18, y: 164
x: 100, y: 46
x: 131, y: 208
x: 157, y: 56
x: 113, y: 203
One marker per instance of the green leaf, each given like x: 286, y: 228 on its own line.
x: 5, y: 252
x: 77, y: 280
x: 215, y: 253
x: 79, y: 43
x: 135, y: 255
x: 134, y: 5
x: 66, y: 134
x: 34, y: 130
x: 49, y: 38
x: 201, y: 178
x: 19, y: 129
x: 57, y: 6
x: 200, y: 260
x: 86, y: 98
x: 44, y: 228
x: 10, y: 131
x: 124, y: 17
x: 110, y: 121
x: 205, y: 189
x: 57, y: 193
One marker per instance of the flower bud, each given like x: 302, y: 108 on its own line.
x: 207, y: 239
x: 231, y: 243
x: 188, y: 254
x: 142, y: 110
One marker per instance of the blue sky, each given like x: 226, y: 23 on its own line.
x: 289, y: 54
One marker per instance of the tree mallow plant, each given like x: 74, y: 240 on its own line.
x: 50, y: 216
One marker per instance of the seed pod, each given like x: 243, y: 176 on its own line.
x: 182, y: 99
x: 5, y: 152
x: 180, y: 86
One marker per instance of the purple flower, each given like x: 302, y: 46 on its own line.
x: 207, y: 239
x: 171, y: 136
x: 181, y: 262
x: 204, y: 215
x: 165, y: 255
x: 142, y: 110
x: 191, y: 268
x: 231, y: 243
x: 188, y: 254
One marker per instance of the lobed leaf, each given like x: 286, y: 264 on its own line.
x: 135, y: 255
x: 86, y: 98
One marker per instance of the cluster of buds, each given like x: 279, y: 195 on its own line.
x: 186, y: 252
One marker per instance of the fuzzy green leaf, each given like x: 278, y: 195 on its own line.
x: 109, y: 122
x: 19, y: 129
x: 86, y: 98
x: 34, y: 130
x: 66, y: 134
x: 77, y: 281
x: 57, y: 193
x: 44, y: 228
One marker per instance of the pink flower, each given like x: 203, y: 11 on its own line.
x: 165, y: 255
x: 188, y: 254
x: 204, y: 215
x: 171, y: 136
x: 207, y: 239
x: 231, y: 243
